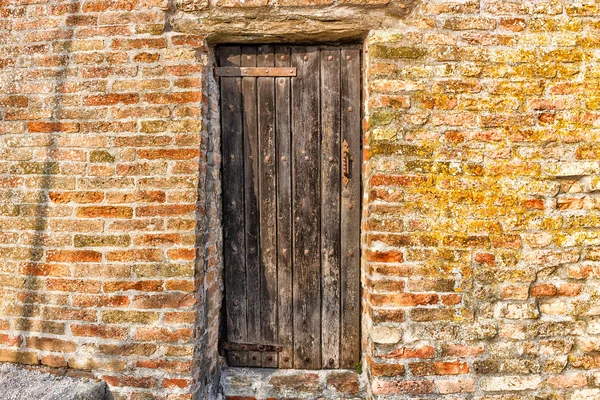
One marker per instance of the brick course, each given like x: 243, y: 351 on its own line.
x: 480, y: 226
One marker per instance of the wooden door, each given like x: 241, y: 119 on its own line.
x: 290, y: 118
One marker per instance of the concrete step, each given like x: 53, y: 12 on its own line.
x: 20, y: 383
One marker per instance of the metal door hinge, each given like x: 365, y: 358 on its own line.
x: 255, y: 71
x: 251, y: 347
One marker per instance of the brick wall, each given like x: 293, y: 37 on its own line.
x: 481, y: 241
x: 102, y: 150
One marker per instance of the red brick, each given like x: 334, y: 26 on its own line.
x: 111, y: 99
x: 99, y: 301
x: 384, y: 256
x: 439, y: 368
x: 130, y: 381
x: 384, y: 369
x: 73, y: 285
x: 485, y: 258
x: 569, y: 289
x: 173, y: 367
x: 381, y: 387
x: 51, y: 344
x: 73, y: 256
x: 406, y: 352
x: 142, y: 286
x: 176, y: 383
x: 44, y: 269
x: 109, y: 332
x: 14, y: 101
x: 536, y: 204
x: 145, y: 43
x: 182, y: 254
x: 543, y: 290
x: 148, y: 255
x: 54, y: 361
x: 163, y: 335
x: 169, y: 154
x: 403, y: 299
x: 91, y: 6
x: 125, y: 350
x: 166, y: 300
x: 172, y: 98
x: 49, y: 127
x: 451, y: 299
x: 76, y: 197
x: 181, y: 285
x: 104, y: 212
x: 11, y: 340
x: 18, y: 356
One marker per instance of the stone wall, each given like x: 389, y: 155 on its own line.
x: 481, y: 239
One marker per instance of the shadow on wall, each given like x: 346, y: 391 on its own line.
x: 39, y: 173
x: 48, y: 174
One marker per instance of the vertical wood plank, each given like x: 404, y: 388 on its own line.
x: 306, y: 208
x: 284, y: 210
x: 251, y: 189
x: 350, y: 211
x: 330, y: 205
x: 267, y: 205
x: 233, y: 206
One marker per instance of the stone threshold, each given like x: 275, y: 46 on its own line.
x: 279, y: 384
x: 19, y: 382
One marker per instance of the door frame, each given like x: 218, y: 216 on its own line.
x: 215, y: 123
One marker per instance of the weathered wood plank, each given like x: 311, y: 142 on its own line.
x: 251, y: 189
x: 284, y: 211
x: 267, y: 205
x: 330, y: 206
x: 233, y: 207
x: 350, y: 211
x: 306, y: 208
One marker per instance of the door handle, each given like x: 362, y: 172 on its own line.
x: 346, y: 163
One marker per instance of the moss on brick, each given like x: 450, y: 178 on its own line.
x: 101, y: 156
x: 397, y: 53
x: 36, y: 168
x: 100, y: 240
x: 129, y: 317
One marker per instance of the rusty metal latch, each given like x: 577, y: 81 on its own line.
x: 263, y: 348
x: 256, y: 71
x: 346, y: 163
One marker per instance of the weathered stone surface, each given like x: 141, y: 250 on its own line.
x: 257, y: 22
x: 273, y: 384
x: 20, y: 383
